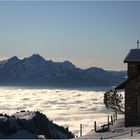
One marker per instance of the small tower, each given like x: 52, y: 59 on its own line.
x: 133, y: 60
x: 132, y: 88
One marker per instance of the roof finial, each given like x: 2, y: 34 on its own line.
x: 138, y: 44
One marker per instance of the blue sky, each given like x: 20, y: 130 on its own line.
x: 88, y: 33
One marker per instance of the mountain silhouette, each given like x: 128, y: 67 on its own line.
x: 35, y: 70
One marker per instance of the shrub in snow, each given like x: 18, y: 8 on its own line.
x: 34, y: 123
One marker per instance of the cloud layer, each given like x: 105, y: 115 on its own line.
x: 65, y: 107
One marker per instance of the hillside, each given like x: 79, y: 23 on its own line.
x: 35, y: 70
x: 31, y: 125
x: 117, y: 131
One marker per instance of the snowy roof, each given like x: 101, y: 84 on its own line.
x: 133, y: 56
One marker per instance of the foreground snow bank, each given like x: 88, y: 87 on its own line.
x: 117, y: 131
x: 31, y: 125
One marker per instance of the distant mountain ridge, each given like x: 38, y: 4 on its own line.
x: 35, y: 70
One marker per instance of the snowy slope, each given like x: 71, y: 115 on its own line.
x: 30, y: 125
x: 117, y: 131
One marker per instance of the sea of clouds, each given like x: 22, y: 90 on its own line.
x: 66, y: 107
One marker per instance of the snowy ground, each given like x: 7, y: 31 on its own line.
x: 30, y: 125
x: 117, y: 131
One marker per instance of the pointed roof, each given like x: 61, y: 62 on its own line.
x: 133, y: 56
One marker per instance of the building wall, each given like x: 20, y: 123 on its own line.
x: 132, y: 69
x: 132, y: 102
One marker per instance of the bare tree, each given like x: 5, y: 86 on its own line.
x: 114, y: 101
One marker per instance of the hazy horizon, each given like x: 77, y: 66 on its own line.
x: 87, y: 33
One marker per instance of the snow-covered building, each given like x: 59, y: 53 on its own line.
x: 132, y: 88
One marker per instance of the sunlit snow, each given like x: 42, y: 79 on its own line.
x: 65, y: 107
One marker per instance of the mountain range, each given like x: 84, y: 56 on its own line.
x: 35, y: 70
